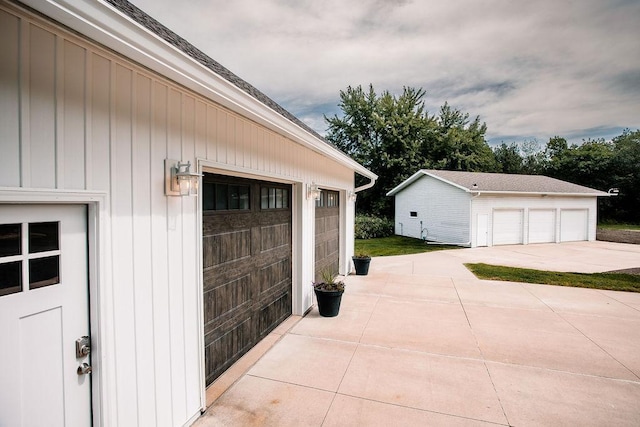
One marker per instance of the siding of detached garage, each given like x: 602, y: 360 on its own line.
x: 442, y: 208
x: 486, y: 204
x: 76, y: 116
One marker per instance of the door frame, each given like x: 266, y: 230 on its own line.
x: 96, y: 203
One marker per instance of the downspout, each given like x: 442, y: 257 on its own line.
x: 471, y: 215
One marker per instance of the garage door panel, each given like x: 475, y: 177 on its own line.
x: 507, y: 227
x: 223, y: 299
x: 220, y: 352
x: 247, y: 274
x: 273, y: 314
x: 542, y: 226
x: 573, y: 225
x: 327, y: 234
x: 220, y: 222
x: 226, y: 247
x: 275, y: 236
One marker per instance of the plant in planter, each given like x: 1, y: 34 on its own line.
x: 328, y: 294
x: 361, y: 262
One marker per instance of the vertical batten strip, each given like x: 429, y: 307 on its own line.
x: 59, y: 111
x: 10, y: 100
x: 133, y: 203
x: 212, y: 121
x: 88, y: 120
x: 113, y: 378
x: 160, y: 259
x: 25, y: 109
x: 175, y: 266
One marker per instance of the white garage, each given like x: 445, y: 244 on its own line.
x: 487, y: 209
x: 157, y: 217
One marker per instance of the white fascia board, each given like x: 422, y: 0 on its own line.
x: 406, y: 183
x: 448, y: 182
x: 108, y: 26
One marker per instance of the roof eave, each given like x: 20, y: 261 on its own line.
x: 112, y: 28
x: 539, y: 193
x: 405, y: 183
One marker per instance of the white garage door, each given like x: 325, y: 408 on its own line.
x: 573, y: 225
x: 542, y: 226
x: 507, y: 227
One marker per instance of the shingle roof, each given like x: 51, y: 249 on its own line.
x: 502, y: 183
x: 183, y: 45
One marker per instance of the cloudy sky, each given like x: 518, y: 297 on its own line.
x: 530, y: 69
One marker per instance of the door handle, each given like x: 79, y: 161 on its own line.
x: 84, y: 369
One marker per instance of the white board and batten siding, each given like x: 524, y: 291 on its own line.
x: 78, y: 117
x: 535, y: 219
x: 441, y: 212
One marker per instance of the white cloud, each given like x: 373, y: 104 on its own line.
x: 529, y: 69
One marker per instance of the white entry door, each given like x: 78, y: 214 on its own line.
x: 482, y: 228
x: 44, y: 308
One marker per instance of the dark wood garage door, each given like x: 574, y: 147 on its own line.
x: 247, y: 266
x: 327, y: 233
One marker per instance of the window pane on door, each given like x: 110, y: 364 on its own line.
x: 44, y: 271
x: 43, y: 236
x: 10, y: 277
x: 10, y: 239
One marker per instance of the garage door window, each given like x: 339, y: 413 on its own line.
x: 40, y: 251
x: 328, y: 199
x: 225, y: 197
x: 274, y: 198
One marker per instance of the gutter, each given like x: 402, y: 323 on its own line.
x: 373, y: 177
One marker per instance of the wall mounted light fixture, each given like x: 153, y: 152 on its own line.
x: 313, y: 192
x: 179, y: 180
x: 352, y: 196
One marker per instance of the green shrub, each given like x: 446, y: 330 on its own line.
x: 370, y: 227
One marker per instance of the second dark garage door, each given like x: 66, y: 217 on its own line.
x: 327, y: 235
x: 247, y: 265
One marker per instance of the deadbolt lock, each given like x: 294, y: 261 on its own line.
x: 83, y: 347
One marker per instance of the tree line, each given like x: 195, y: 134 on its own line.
x: 395, y: 136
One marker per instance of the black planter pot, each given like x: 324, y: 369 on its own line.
x: 328, y: 302
x: 362, y: 265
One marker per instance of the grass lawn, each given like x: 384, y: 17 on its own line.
x: 610, y: 281
x: 396, y: 245
x: 619, y: 226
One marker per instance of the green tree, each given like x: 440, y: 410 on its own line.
x: 625, y: 167
x: 508, y: 158
x: 534, y: 161
x: 384, y: 133
x: 602, y: 165
x: 461, y: 144
x: 394, y: 136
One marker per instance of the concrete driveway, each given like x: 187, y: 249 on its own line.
x: 421, y: 341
